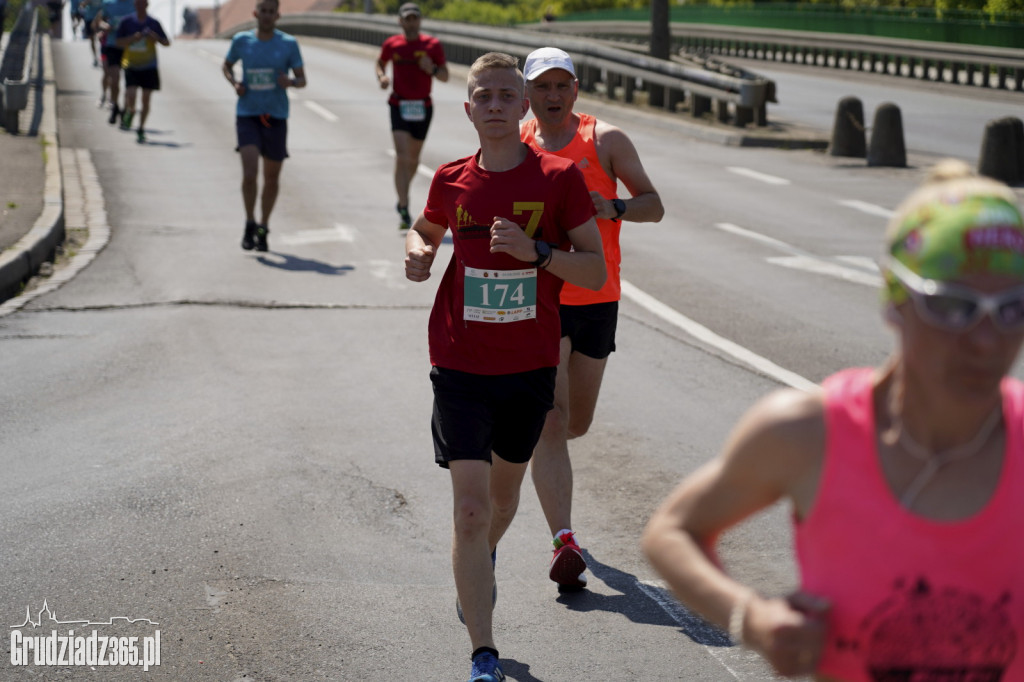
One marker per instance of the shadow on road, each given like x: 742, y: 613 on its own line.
x: 514, y: 670
x: 170, y: 145
x: 150, y: 142
x: 296, y: 264
x: 637, y: 603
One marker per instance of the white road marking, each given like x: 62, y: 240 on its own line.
x: 389, y: 272
x: 863, y: 262
x: 823, y: 267
x: 756, y: 175
x: 702, y: 333
x: 758, y: 237
x: 310, y: 104
x: 338, y: 233
x: 870, y: 209
x: 802, y: 260
x: 657, y: 591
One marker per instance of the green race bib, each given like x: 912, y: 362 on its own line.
x: 413, y: 110
x: 260, y: 79
x: 500, y: 296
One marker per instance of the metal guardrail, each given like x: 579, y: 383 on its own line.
x: 915, y: 22
x: 16, y: 66
x: 975, y: 65
x: 740, y: 97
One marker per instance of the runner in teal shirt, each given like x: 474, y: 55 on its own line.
x: 263, y: 60
x: 261, y: 114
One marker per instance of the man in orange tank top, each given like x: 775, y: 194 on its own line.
x: 605, y: 155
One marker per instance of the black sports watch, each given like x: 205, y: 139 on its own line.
x: 620, y: 207
x: 543, y: 253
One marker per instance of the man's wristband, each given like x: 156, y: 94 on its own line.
x: 543, y: 254
x: 436, y: 69
x: 551, y: 254
x: 737, y: 618
x: 620, y: 208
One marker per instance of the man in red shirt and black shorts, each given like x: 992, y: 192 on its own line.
x: 416, y: 59
x: 521, y: 222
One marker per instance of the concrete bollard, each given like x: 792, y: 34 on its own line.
x: 848, y: 137
x: 887, y: 147
x: 1002, y: 150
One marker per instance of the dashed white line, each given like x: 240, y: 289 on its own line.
x: 799, y: 259
x: 757, y: 175
x: 823, y: 267
x: 758, y: 237
x: 324, y: 113
x: 338, y: 233
x: 862, y: 262
x: 865, y: 207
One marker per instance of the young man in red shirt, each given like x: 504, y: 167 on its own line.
x: 514, y: 213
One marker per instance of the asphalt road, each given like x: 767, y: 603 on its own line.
x: 235, y: 446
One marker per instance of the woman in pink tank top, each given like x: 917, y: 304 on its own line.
x: 906, y: 481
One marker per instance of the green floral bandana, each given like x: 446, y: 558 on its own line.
x: 957, y: 235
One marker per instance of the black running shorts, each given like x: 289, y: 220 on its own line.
x: 475, y: 415
x: 270, y: 135
x: 590, y: 328
x: 418, y: 129
x: 112, y: 55
x: 147, y: 79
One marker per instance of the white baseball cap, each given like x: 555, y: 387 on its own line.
x: 545, y: 59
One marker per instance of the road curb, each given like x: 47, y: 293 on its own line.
x: 22, y: 260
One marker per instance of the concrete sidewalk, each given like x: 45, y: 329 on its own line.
x: 21, y: 177
x: 31, y: 188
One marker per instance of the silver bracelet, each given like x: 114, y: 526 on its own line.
x: 737, y: 617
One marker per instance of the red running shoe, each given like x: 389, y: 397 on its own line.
x: 568, y: 567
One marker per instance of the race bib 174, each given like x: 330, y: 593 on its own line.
x: 500, y: 296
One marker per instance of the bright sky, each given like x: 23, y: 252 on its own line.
x: 160, y: 9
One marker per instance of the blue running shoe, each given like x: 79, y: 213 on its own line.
x: 486, y: 668
x: 494, y: 591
